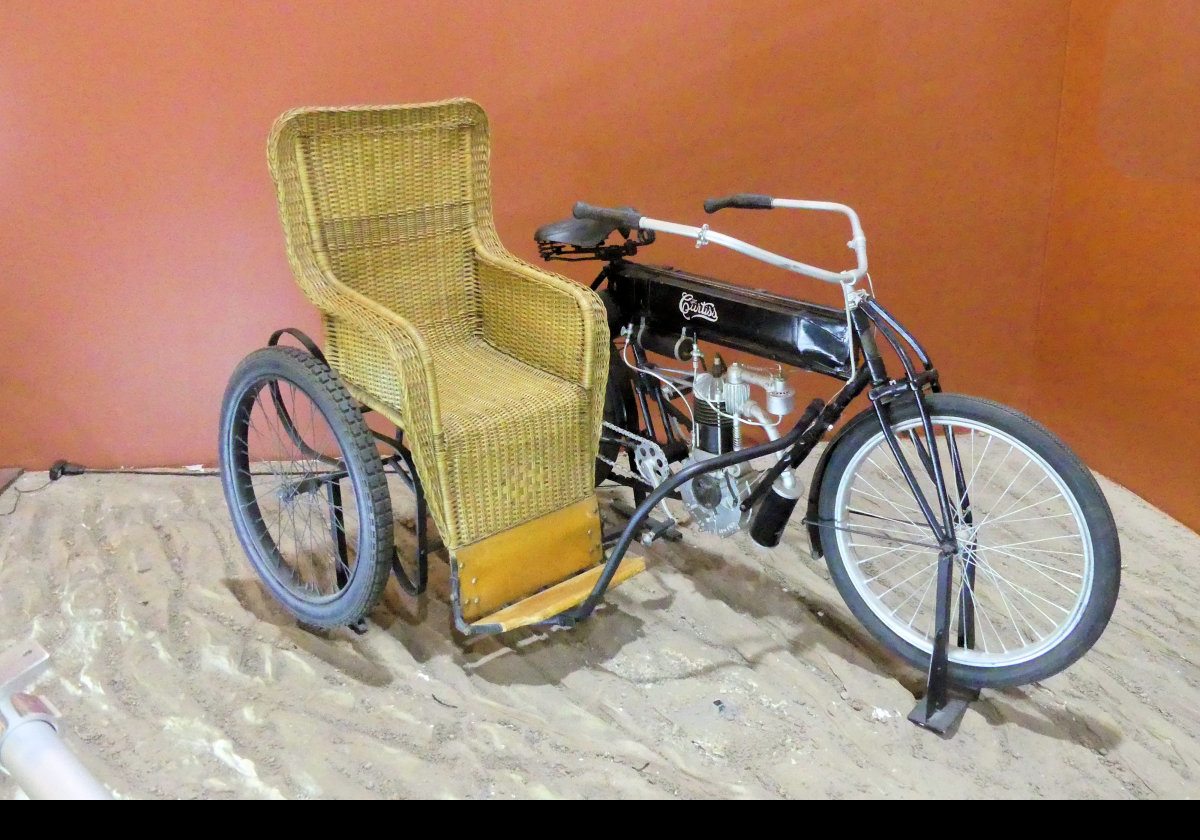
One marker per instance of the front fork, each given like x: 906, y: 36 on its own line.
x: 869, y: 317
x: 936, y: 709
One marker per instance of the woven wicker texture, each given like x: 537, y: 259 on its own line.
x: 494, y: 369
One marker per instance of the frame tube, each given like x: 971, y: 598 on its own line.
x: 661, y: 492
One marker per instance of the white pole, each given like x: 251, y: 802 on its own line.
x: 30, y: 748
x: 43, y: 767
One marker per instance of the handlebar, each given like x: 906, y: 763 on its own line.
x: 621, y: 217
x: 627, y: 217
x: 740, y: 201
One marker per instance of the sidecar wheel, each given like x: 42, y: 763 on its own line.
x: 305, y: 487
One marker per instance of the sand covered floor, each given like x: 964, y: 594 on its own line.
x: 724, y: 671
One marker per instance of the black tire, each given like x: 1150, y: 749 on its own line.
x: 1018, y: 589
x: 292, y: 442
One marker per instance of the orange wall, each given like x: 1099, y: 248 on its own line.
x: 142, y: 256
x: 1116, y: 348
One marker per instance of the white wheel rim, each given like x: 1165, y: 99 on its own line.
x: 1034, y: 557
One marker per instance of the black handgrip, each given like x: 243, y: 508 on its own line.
x: 741, y: 201
x: 617, y: 217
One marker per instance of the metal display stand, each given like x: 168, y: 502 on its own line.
x: 944, y: 704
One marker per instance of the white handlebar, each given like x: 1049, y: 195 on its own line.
x: 703, y: 236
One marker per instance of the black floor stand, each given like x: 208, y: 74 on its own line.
x: 944, y: 704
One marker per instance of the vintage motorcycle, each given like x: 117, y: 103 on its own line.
x: 920, y: 488
x: 939, y: 515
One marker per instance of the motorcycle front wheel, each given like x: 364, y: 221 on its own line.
x: 1039, y: 563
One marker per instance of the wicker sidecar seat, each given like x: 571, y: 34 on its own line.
x: 494, y: 370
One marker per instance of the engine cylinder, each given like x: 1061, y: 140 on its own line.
x: 714, y: 428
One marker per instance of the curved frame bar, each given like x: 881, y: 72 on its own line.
x: 661, y: 492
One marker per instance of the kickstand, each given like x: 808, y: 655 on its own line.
x: 944, y: 704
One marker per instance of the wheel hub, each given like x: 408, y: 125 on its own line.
x: 966, y: 536
x: 289, y: 492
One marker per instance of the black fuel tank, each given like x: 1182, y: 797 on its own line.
x: 790, y: 332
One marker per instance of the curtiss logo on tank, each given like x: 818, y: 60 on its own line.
x: 692, y: 308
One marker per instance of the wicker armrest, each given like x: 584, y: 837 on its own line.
x: 544, y: 320
x: 365, y: 331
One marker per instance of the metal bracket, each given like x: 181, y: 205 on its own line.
x: 20, y: 666
x: 854, y: 296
